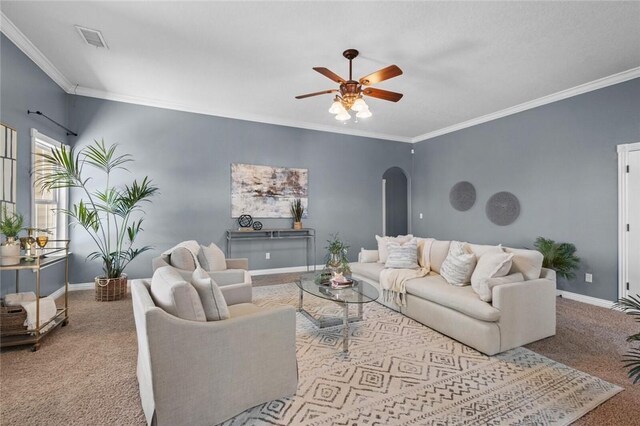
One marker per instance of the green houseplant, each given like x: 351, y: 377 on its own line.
x: 336, y: 258
x: 560, y: 257
x: 631, y: 306
x: 297, y: 210
x: 111, y: 215
x: 11, y: 224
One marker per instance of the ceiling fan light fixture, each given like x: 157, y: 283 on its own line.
x: 336, y: 107
x: 359, y: 105
x: 343, y: 115
x: 365, y: 113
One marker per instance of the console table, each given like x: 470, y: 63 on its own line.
x: 308, y: 234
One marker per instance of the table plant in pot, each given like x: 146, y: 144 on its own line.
x: 11, y: 224
x: 111, y: 215
x: 297, y: 210
x: 336, y: 258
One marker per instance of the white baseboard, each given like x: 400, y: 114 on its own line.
x: 585, y: 299
x: 256, y: 272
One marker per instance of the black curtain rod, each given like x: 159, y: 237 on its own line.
x: 69, y: 132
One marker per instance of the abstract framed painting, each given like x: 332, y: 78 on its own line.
x: 267, y: 191
x: 8, y: 167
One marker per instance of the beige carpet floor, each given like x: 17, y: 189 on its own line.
x: 84, y: 374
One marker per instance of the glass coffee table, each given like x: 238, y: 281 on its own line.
x: 358, y: 294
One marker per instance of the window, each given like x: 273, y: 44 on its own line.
x: 46, y: 205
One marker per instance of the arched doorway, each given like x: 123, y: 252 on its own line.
x: 395, y: 202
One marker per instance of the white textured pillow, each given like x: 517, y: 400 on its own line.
x: 176, y: 296
x: 528, y: 262
x: 211, y: 258
x: 213, y: 302
x: 368, y: 256
x: 490, y: 265
x: 493, y: 282
x: 459, y: 264
x: 383, y: 253
x: 182, y: 258
x: 402, y: 256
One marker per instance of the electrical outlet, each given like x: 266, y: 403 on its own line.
x: 421, y: 216
x: 588, y: 278
x: 267, y: 255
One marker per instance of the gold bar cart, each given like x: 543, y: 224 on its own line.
x: 57, y: 252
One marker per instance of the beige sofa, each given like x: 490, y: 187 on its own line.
x: 203, y: 373
x: 520, y: 313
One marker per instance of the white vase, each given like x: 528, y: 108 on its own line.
x: 10, y: 253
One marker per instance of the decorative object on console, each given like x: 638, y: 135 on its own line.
x: 10, y: 225
x: 351, y: 91
x: 336, y: 258
x: 560, y: 257
x: 8, y: 167
x: 297, y: 210
x: 462, y: 196
x: 503, y: 208
x: 257, y: 225
x: 64, y: 167
x: 631, y: 306
x: 267, y: 191
x: 245, y: 221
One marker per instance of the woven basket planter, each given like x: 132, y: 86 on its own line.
x: 110, y: 289
x: 12, y: 319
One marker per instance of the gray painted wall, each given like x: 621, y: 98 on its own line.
x: 559, y: 159
x: 25, y: 86
x: 189, y: 157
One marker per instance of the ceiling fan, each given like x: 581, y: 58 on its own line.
x: 351, y: 91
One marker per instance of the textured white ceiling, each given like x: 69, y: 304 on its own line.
x: 461, y: 60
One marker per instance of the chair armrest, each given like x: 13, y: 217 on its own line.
x: 208, y: 372
x: 237, y: 293
x: 527, y: 311
x: 548, y: 274
x: 241, y: 263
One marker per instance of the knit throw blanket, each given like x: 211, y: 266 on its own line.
x: 393, y: 283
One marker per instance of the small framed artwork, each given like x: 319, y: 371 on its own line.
x: 8, y: 167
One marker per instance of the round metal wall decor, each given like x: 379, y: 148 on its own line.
x: 462, y: 196
x: 245, y: 220
x: 503, y: 208
x: 257, y: 225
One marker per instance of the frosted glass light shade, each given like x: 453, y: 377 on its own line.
x: 343, y: 115
x: 359, y: 105
x: 336, y: 107
x: 365, y: 113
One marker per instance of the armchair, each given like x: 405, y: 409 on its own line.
x: 203, y: 373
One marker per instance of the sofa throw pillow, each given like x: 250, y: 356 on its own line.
x: 459, y: 264
x: 490, y: 265
x: 528, y: 262
x: 494, y: 282
x: 368, y: 256
x: 383, y: 253
x: 176, y: 296
x: 182, y: 258
x: 402, y: 256
x: 211, y: 258
x: 213, y: 302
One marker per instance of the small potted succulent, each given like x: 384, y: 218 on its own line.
x: 297, y: 210
x: 11, y: 224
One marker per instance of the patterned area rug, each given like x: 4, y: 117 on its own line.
x: 399, y: 372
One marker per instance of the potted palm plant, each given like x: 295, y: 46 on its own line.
x: 297, y: 210
x: 10, y: 225
x: 561, y: 257
x: 110, y: 214
x: 631, y: 306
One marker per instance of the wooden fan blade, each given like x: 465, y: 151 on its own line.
x: 308, y: 95
x: 382, y: 94
x: 330, y: 74
x: 381, y: 75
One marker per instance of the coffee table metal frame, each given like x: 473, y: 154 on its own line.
x: 330, y: 322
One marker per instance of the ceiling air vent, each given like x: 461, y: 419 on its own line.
x: 92, y: 37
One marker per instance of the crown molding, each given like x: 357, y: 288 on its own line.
x: 24, y: 44
x: 100, y: 94
x: 554, y: 97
